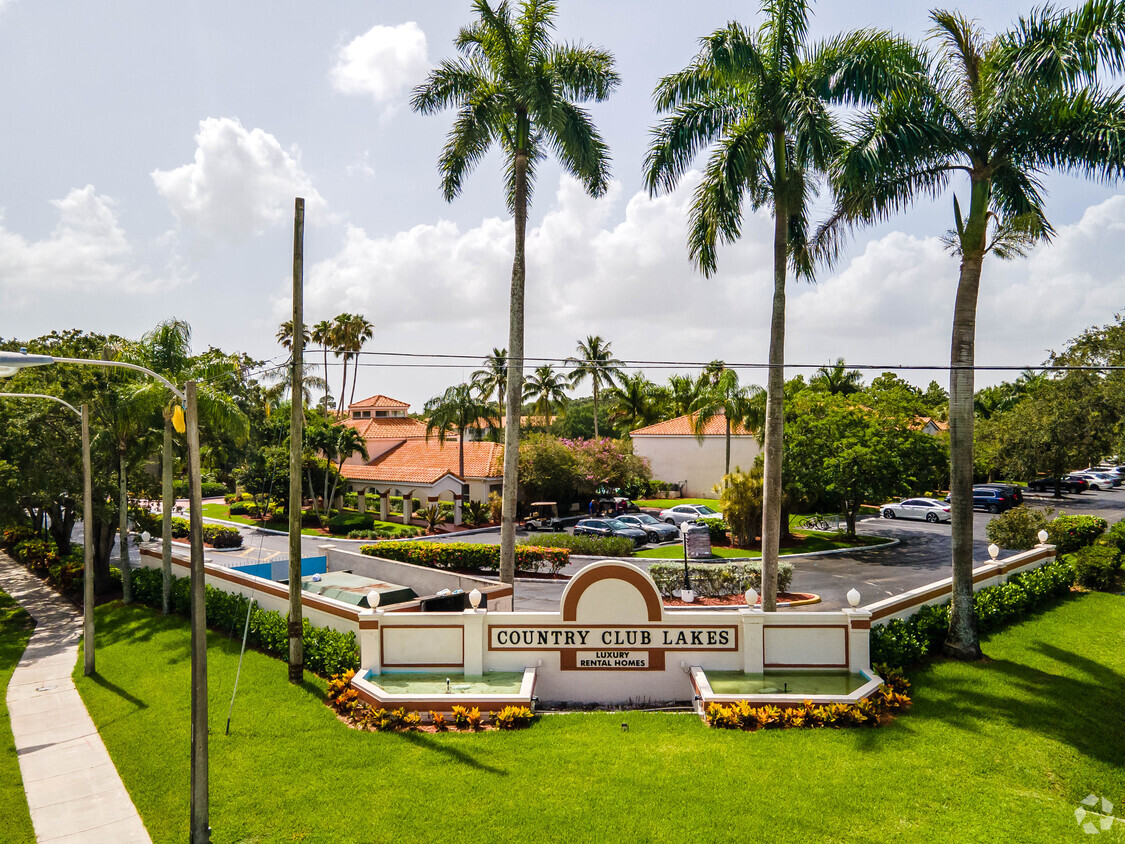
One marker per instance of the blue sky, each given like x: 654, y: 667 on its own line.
x: 153, y: 150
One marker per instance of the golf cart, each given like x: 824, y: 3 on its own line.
x: 544, y: 515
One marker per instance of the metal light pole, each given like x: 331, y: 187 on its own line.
x: 12, y: 362
x: 87, y: 536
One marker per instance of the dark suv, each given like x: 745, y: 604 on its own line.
x: 1071, y: 483
x: 610, y: 527
x: 992, y: 500
x: 1011, y: 490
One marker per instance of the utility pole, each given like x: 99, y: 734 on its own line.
x: 296, y: 441
x: 200, y: 811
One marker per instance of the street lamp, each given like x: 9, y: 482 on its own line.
x: 200, y: 832
x: 87, y: 534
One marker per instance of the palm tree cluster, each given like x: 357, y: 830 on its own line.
x: 763, y: 105
x: 344, y: 336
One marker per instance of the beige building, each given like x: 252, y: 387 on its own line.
x: 677, y: 456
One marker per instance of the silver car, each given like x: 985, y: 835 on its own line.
x: 929, y: 509
x: 688, y: 513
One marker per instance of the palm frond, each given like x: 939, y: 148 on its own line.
x: 468, y: 142
x: 579, y: 146
x: 680, y: 136
x: 865, y: 67
x: 582, y: 73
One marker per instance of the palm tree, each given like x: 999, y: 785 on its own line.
x: 494, y: 377
x: 359, y: 331
x: 457, y: 410
x: 683, y: 390
x: 596, y: 362
x: 548, y: 389
x: 836, y: 379
x: 514, y: 87
x: 341, y: 325
x: 324, y: 333
x: 634, y: 401
x: 279, y: 384
x: 734, y: 402
x: 285, y: 334
x: 167, y: 350
x: 337, y: 443
x: 762, y: 99
x: 998, y: 112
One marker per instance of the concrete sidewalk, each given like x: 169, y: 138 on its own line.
x: 73, y: 789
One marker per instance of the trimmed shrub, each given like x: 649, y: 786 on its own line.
x: 593, y: 546
x: 908, y: 641
x: 1018, y: 528
x: 713, y: 580
x: 12, y: 535
x: 180, y: 528
x: 1096, y: 566
x: 222, y: 536
x: 210, y: 489
x: 386, y: 532
x: 327, y: 651
x: 344, y: 522
x: 1069, y: 533
x: 467, y: 555
x: 1115, y: 536
x: 869, y: 712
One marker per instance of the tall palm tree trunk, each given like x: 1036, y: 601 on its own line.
x: 355, y: 378
x: 596, y: 435
x: 726, y: 471
x: 344, y: 383
x: 515, y: 379
x: 963, y: 641
x: 326, y: 380
x: 123, y: 533
x: 775, y: 406
x: 167, y: 502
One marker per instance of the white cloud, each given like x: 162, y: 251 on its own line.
x: 87, y: 252
x: 441, y: 288
x: 240, y: 182
x: 383, y: 63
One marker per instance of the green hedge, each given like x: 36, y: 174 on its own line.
x: 1096, y: 566
x: 712, y: 580
x: 1069, y: 533
x: 908, y: 641
x: 209, y: 488
x: 388, y: 531
x: 222, y: 536
x: 327, y: 651
x: 467, y: 555
x: 717, y: 528
x: 593, y: 546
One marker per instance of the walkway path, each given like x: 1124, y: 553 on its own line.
x: 72, y: 786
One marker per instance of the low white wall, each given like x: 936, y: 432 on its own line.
x: 940, y: 591
x: 716, y: 640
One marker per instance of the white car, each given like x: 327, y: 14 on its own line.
x: 688, y: 513
x: 929, y: 509
x: 1099, y: 480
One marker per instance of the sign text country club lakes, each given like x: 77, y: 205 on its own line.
x: 524, y: 637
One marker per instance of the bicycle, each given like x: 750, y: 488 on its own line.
x: 815, y: 523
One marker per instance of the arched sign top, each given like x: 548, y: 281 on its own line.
x: 612, y: 592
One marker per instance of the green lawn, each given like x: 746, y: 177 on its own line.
x: 665, y: 503
x: 15, y: 629
x: 222, y: 511
x: 1002, y: 750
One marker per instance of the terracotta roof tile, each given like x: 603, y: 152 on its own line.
x: 379, y: 401
x: 388, y: 427
x: 418, y: 461
x: 681, y: 427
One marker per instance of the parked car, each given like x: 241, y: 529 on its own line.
x: 656, y: 530
x: 1011, y: 490
x: 1070, y: 483
x: 992, y: 500
x: 1099, y: 480
x: 929, y: 509
x: 688, y: 513
x: 610, y: 527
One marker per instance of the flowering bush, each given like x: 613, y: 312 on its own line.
x: 869, y: 712
x: 466, y: 555
x: 1069, y: 533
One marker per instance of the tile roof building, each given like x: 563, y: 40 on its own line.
x: 677, y: 456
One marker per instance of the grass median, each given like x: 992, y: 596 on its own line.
x: 998, y: 750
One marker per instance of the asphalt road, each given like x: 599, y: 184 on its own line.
x: 922, y: 555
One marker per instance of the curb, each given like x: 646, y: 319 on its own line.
x: 890, y: 543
